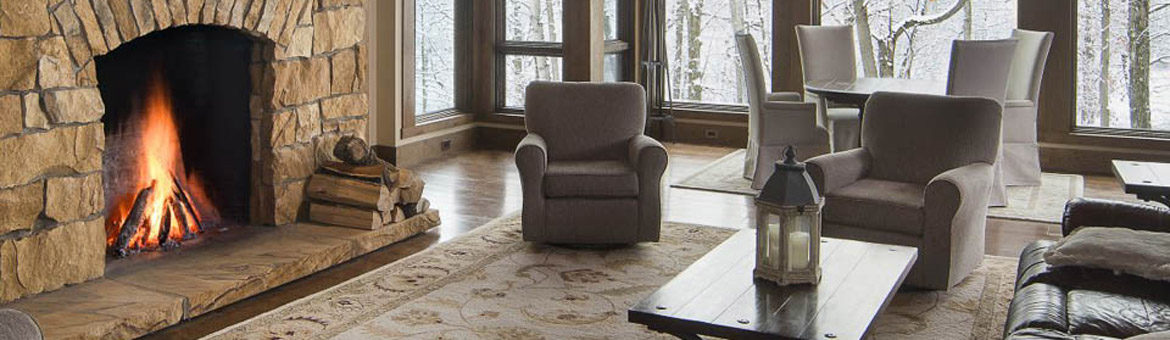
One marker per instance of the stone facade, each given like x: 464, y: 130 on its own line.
x: 308, y: 90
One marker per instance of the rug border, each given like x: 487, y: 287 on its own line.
x: 681, y: 184
x: 476, y: 231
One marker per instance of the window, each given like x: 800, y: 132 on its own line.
x: 700, y: 44
x: 1123, y: 64
x: 922, y: 50
x: 530, y: 47
x: 434, y: 56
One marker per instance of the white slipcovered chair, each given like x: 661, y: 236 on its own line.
x: 1021, y: 152
x: 979, y: 68
x: 775, y: 120
x: 826, y: 53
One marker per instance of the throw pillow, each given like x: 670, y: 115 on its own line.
x: 1134, y: 252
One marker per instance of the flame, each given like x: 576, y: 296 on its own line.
x: 158, y: 163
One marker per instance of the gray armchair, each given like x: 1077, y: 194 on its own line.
x: 588, y: 174
x: 921, y: 178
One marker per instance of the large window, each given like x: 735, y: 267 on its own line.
x: 434, y: 56
x: 912, y: 38
x: 1123, y: 64
x: 700, y: 43
x: 530, y: 46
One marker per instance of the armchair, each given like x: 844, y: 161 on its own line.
x: 921, y: 178
x: 588, y: 174
x: 775, y: 120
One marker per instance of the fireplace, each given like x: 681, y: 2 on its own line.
x: 177, y: 161
x: 77, y: 81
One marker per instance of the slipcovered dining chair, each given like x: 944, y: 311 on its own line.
x: 980, y: 68
x: 919, y: 179
x: 587, y: 173
x: 1021, y: 152
x: 775, y: 120
x: 826, y: 53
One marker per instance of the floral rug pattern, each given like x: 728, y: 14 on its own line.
x: 489, y: 284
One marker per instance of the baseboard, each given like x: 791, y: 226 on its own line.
x: 435, y: 145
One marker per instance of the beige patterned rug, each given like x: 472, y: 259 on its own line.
x: 489, y: 284
x: 1044, y: 203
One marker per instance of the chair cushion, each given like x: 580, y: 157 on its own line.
x: 590, y: 179
x: 883, y: 205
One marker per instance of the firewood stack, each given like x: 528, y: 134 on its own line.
x: 363, y: 191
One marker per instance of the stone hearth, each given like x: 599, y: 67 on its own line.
x: 308, y: 90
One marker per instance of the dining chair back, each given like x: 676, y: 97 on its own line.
x: 826, y: 54
x: 980, y: 68
x: 1028, y: 64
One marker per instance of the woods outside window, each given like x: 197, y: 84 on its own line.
x: 1123, y: 66
x: 434, y: 59
x: 530, y: 47
x: 704, y: 64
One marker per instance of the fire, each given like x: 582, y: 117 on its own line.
x: 161, y: 209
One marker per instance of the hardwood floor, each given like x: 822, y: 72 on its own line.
x: 474, y: 188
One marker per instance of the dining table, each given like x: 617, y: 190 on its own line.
x: 855, y: 92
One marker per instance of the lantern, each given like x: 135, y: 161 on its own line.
x: 788, y: 225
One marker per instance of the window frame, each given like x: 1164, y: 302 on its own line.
x: 504, y: 48
x: 412, y: 123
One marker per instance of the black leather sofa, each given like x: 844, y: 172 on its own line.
x: 1083, y: 303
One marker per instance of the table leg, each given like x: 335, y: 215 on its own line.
x: 860, y: 118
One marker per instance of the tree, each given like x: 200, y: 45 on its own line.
x: 1139, y: 64
x: 1105, y: 79
x: 887, y: 46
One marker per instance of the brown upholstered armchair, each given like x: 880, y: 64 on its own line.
x: 921, y: 178
x: 588, y: 174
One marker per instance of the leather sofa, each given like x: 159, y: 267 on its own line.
x: 1086, y: 303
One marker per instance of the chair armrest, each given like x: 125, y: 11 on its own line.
x: 532, y: 156
x: 968, y: 185
x: 647, y: 154
x: 833, y: 171
x: 783, y: 97
x: 1018, y: 103
x: 1081, y: 212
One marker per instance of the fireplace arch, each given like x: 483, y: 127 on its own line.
x: 308, y: 89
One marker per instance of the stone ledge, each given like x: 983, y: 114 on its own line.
x: 140, y: 296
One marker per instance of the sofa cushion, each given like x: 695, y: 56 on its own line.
x: 590, y: 179
x: 1037, y: 306
x: 1134, y: 252
x: 1116, y: 315
x: 884, y: 205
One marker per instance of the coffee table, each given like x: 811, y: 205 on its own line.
x: 1149, y: 181
x: 717, y: 295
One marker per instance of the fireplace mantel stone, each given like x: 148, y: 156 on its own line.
x: 309, y: 53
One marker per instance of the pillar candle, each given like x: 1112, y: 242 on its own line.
x: 798, y: 255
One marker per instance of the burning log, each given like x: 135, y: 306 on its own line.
x: 164, y: 239
x: 180, y: 211
x: 134, y: 220
x: 181, y: 193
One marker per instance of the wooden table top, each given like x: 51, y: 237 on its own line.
x: 1139, y: 176
x: 718, y: 296
x: 861, y: 88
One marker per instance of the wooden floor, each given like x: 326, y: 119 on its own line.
x: 473, y: 188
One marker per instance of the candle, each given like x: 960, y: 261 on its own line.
x: 798, y: 256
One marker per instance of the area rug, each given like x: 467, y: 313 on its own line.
x: 1043, y: 203
x: 490, y: 284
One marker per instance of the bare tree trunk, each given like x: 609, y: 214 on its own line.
x: 888, y: 47
x: 968, y: 21
x: 1139, y: 64
x: 550, y: 16
x: 680, y: 46
x: 536, y: 10
x: 694, y: 73
x: 737, y: 25
x: 1105, y: 78
x: 864, y: 37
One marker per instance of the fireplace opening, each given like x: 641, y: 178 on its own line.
x: 178, y: 150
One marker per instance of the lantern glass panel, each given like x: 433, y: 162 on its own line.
x: 799, y: 235
x: 772, y: 248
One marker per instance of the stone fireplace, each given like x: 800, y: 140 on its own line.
x: 306, y: 88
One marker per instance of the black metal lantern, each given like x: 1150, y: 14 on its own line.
x: 788, y: 225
